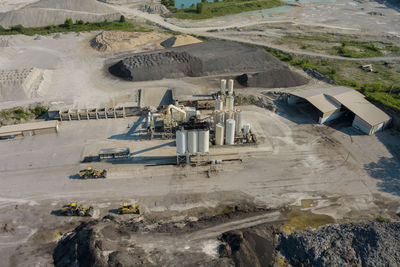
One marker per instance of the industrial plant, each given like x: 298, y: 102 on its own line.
x: 199, y: 133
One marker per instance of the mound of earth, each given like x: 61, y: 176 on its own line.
x: 203, y: 59
x: 349, y: 244
x: 250, y: 247
x: 46, y: 12
x: 179, y: 40
x: 23, y: 83
x: 113, y: 41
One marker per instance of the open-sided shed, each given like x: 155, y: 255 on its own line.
x: 331, y: 103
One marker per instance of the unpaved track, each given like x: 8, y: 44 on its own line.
x: 203, y: 32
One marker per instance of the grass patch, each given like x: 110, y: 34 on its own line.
x: 206, y: 10
x: 342, y: 45
x: 78, y: 26
x: 301, y: 220
x: 382, y: 85
x: 19, y: 114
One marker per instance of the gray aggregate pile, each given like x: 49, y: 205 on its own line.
x: 208, y: 58
x: 349, y: 244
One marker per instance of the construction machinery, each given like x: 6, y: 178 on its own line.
x: 73, y: 209
x: 92, y: 173
x: 129, y: 209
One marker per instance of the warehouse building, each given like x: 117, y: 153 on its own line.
x: 331, y: 103
x: 28, y: 129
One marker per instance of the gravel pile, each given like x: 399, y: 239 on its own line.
x: 207, y: 58
x: 357, y: 244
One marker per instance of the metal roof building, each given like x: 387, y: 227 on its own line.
x: 332, y: 102
x: 28, y: 129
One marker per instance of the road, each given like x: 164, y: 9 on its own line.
x: 206, y: 32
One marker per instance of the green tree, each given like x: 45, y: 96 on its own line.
x: 18, y: 28
x: 79, y: 22
x: 68, y: 23
x: 122, y: 19
x: 199, y: 8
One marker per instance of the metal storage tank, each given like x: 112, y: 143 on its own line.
x: 238, y: 121
x: 219, y: 104
x: 181, y: 142
x: 246, y: 128
x: 223, y: 86
x: 192, y: 144
x: 230, y: 87
x: 218, y: 117
x: 229, y: 103
x: 219, y: 134
x: 228, y: 115
x: 230, y: 132
x: 204, y: 141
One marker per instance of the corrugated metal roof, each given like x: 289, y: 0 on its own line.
x: 362, y: 108
x: 324, y: 100
x: 17, y: 128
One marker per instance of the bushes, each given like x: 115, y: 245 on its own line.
x: 69, y: 26
x: 216, y: 8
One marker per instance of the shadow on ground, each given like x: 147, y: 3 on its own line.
x: 387, y: 169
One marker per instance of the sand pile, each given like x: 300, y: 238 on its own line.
x: 113, y: 41
x: 203, y: 59
x: 46, y: 12
x: 179, y: 40
x: 349, y: 244
x: 23, y: 83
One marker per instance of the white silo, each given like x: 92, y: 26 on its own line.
x: 204, y: 141
x: 230, y: 87
x: 246, y: 128
x: 218, y: 117
x: 229, y: 103
x: 219, y: 134
x: 219, y: 104
x: 228, y: 115
x: 223, y: 86
x: 238, y: 121
x: 181, y: 138
x: 192, y: 144
x: 230, y: 132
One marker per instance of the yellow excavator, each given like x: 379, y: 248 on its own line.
x: 129, y: 209
x: 92, y: 173
x: 73, y: 209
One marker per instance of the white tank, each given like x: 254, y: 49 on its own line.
x: 219, y: 104
x: 230, y: 132
x: 246, y: 128
x: 230, y: 87
x: 204, y: 141
x: 229, y: 103
x: 218, y: 117
x: 228, y: 115
x: 238, y: 121
x: 223, y: 86
x: 181, y: 137
x: 219, y: 134
x: 192, y: 144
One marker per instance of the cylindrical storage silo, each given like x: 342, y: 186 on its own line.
x: 229, y: 103
x: 218, y: 117
x: 219, y: 134
x: 230, y: 132
x: 246, y: 128
x: 192, y: 143
x: 230, y: 87
x: 204, y: 141
x: 238, y: 121
x: 219, y: 104
x: 181, y: 138
x: 223, y: 86
x: 228, y: 115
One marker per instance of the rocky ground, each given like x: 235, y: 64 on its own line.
x: 356, y: 244
x: 209, y: 58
